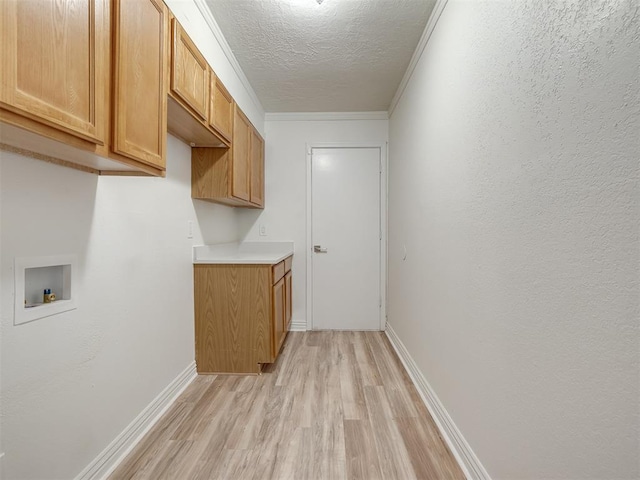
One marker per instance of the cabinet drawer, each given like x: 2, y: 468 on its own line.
x: 278, y: 271
x: 287, y: 263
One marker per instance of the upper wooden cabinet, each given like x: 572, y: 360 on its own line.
x: 140, y: 87
x: 257, y: 168
x: 189, y: 72
x: 84, y: 83
x: 191, y: 94
x: 241, y: 156
x: 96, y: 85
x: 233, y: 176
x: 221, y: 108
x: 53, y: 59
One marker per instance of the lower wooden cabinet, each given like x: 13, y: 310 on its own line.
x: 242, y: 315
x: 288, y: 305
x: 279, y: 332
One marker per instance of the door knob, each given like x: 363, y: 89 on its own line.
x: 319, y: 249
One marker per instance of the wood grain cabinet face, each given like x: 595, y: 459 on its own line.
x: 241, y: 166
x: 140, y: 87
x: 288, y: 304
x: 278, y: 303
x: 232, y: 314
x: 242, y: 316
x: 281, y: 303
x: 257, y: 169
x: 189, y: 73
x: 233, y: 176
x: 221, y: 108
x: 54, y: 63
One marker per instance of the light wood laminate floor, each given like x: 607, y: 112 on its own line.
x: 336, y: 405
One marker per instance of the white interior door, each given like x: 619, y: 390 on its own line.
x: 345, y: 232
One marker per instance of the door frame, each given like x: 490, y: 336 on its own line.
x: 383, y: 150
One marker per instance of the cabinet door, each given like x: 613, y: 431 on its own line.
x: 140, y: 85
x: 240, y: 167
x: 287, y: 300
x: 54, y: 63
x: 189, y: 73
x: 257, y: 169
x: 221, y: 108
x: 278, y: 303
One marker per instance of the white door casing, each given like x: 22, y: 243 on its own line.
x: 346, y: 215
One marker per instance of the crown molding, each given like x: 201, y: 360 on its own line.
x: 320, y: 116
x: 226, y: 49
x: 417, y: 54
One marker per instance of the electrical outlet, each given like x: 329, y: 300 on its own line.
x: 190, y: 229
x: 262, y: 230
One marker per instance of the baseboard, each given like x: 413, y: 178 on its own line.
x: 461, y: 450
x: 105, y: 463
x: 298, y: 326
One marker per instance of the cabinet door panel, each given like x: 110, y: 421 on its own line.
x: 257, y: 169
x: 287, y: 300
x: 278, y: 316
x: 140, y: 87
x: 221, y: 110
x: 240, y: 169
x: 189, y: 72
x: 54, y: 63
x: 232, y: 313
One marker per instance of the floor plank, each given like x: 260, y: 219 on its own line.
x: 336, y: 405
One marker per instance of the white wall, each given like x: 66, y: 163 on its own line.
x: 514, y: 174
x: 71, y: 383
x: 285, y: 210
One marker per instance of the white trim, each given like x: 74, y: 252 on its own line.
x: 217, y: 33
x: 308, y: 240
x: 417, y: 54
x: 298, y: 326
x: 461, y: 450
x: 105, y: 463
x: 385, y: 264
x: 382, y: 148
x: 324, y: 116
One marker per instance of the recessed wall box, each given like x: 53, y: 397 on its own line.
x: 34, y: 275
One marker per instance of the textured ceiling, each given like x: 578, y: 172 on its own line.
x: 339, y: 56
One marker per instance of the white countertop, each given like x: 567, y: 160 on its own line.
x: 244, y: 253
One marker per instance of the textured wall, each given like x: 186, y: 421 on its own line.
x: 335, y: 57
x: 514, y: 156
